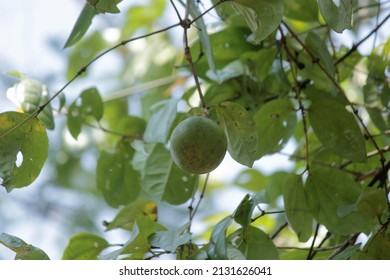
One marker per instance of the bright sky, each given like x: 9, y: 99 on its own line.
x: 28, y: 29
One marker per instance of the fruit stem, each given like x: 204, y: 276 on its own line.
x: 186, y: 24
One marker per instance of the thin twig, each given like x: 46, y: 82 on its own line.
x: 186, y: 24
x: 279, y: 230
x: 80, y: 72
x: 350, y: 241
x: 310, y: 253
x: 297, y: 89
x: 327, y: 236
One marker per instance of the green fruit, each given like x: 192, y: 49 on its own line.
x: 198, y: 145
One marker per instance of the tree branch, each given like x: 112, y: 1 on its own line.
x: 355, y: 46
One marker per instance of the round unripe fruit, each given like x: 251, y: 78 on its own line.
x: 198, y: 145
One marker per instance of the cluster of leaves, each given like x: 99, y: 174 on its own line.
x: 272, y: 72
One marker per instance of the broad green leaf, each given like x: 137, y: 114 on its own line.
x: 318, y: 48
x: 88, y: 105
x: 302, y: 254
x: 244, y: 211
x: 302, y: 10
x: 131, y: 126
x: 82, y: 24
x: 30, y: 95
x: 217, y: 248
x: 169, y: 240
x: 348, y: 253
x: 250, y: 179
x: 337, y: 129
x: 105, y: 6
x: 240, y: 132
x: 262, y: 60
x: 275, y: 123
x: 254, y: 244
x: 327, y: 190
x: 310, y: 66
x: 23, y: 250
x: 142, y: 16
x: 338, y: 17
x: 164, y: 180
x: 227, y: 46
x: 84, y: 246
x: 377, y: 247
x: 191, y: 251
x: 84, y: 52
x: 139, y: 245
x: 371, y: 202
x: 116, y: 178
x: 233, y: 70
x: 22, y: 151
x: 373, y: 92
x: 296, y: 207
x: 262, y: 16
x: 129, y: 214
x: 159, y: 125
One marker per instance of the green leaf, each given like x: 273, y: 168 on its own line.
x: 250, y: 179
x: 372, y: 202
x: 23, y: 250
x: 84, y: 52
x: 88, y: 105
x: 143, y: 15
x: 159, y: 125
x: 338, y: 17
x: 139, y: 245
x: 217, y: 248
x: 310, y: 66
x: 116, y: 178
x: 204, y: 37
x: 128, y: 215
x: 377, y: 247
x: 254, y: 244
x: 327, y: 190
x: 30, y: 95
x: 337, y: 129
x: 348, y: 253
x: 131, y: 126
x: 262, y: 60
x: 296, y: 207
x: 82, y: 24
x: 318, y: 48
x: 164, y: 180
x: 105, y: 6
x: 275, y: 123
x: 244, y: 211
x: 171, y: 239
x: 84, y: 246
x: 262, y: 16
x: 240, y: 132
x: 22, y: 151
x: 227, y: 46
x: 302, y: 10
